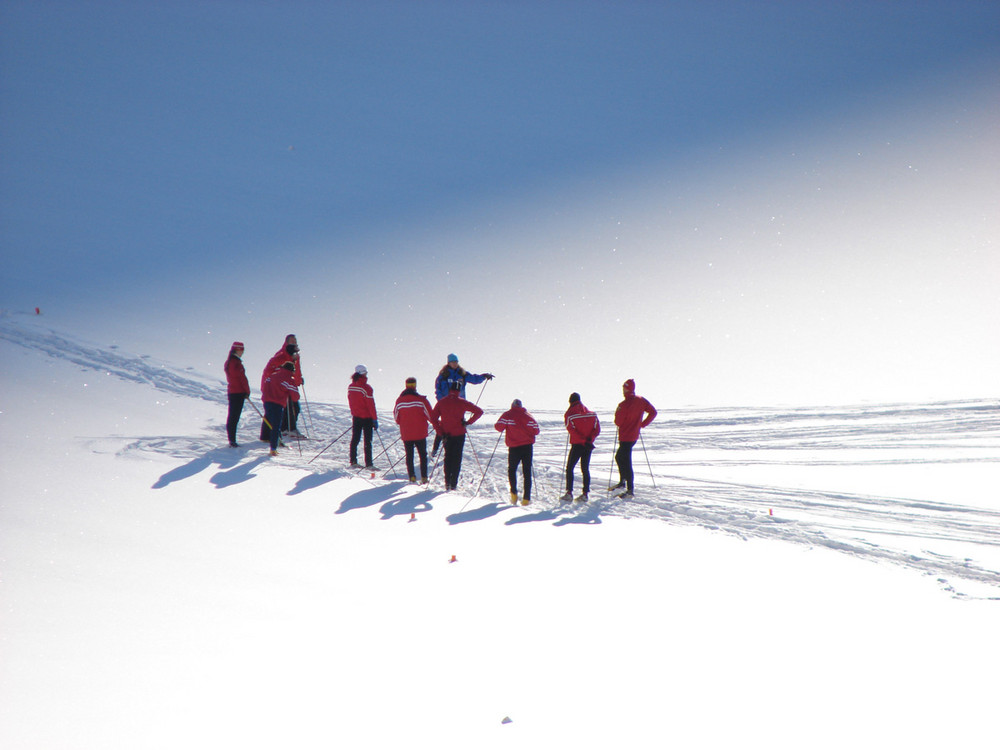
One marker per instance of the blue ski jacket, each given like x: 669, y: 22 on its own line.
x: 447, y: 376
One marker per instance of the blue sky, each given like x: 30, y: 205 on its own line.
x: 530, y: 184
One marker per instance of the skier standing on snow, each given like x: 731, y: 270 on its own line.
x: 632, y: 414
x: 450, y: 374
x: 287, y: 353
x: 413, y: 413
x: 361, y: 399
x: 450, y: 413
x: 278, y: 389
x: 520, y: 429
x: 238, y: 388
x: 583, y: 427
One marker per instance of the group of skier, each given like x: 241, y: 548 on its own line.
x: 279, y: 387
x: 449, y: 417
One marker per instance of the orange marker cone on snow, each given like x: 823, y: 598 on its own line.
x: 453, y: 559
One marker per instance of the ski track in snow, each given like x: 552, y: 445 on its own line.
x: 135, y: 369
x: 677, y: 449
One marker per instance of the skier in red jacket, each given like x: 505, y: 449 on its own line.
x: 450, y: 413
x: 633, y: 413
x: 238, y: 388
x: 278, y: 389
x: 287, y: 353
x: 361, y: 399
x: 583, y: 427
x: 520, y: 429
x: 413, y: 413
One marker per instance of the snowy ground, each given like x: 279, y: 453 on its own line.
x: 825, y: 577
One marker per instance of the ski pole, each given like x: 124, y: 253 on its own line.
x: 437, y: 458
x: 295, y: 434
x: 565, y: 466
x: 384, y: 450
x: 534, y: 478
x: 476, y: 456
x: 643, y: 443
x: 259, y: 413
x: 488, y: 465
x: 480, y: 468
x: 393, y: 466
x: 481, y: 392
x: 309, y: 418
x: 611, y: 471
x: 468, y: 437
x: 330, y: 445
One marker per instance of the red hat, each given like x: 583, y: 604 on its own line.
x: 629, y: 386
x: 238, y: 345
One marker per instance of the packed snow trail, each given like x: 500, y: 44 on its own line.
x: 775, y: 473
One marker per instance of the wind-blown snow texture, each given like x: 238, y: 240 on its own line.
x: 817, y: 477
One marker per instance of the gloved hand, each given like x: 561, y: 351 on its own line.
x: 488, y: 375
x: 375, y: 425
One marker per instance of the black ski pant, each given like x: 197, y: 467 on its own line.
x: 520, y: 455
x: 290, y: 416
x: 274, y: 413
x: 421, y: 448
x: 362, y: 425
x: 453, y: 447
x: 579, y: 452
x: 624, y: 460
x: 236, y: 401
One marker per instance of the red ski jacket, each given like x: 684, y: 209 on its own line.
x: 582, y: 424
x: 518, y: 426
x: 450, y: 413
x: 412, y: 413
x: 629, y: 417
x: 279, y: 387
x: 361, y: 399
x: 236, y: 375
x: 279, y: 358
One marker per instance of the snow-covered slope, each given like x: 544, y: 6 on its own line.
x: 809, y: 577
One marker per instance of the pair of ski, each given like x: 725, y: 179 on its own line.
x: 585, y: 497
